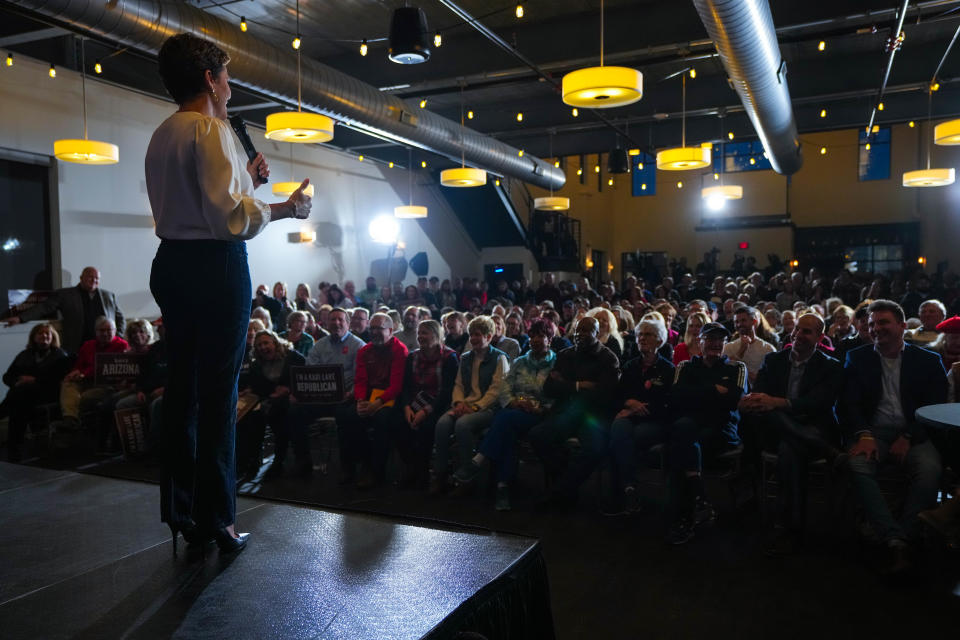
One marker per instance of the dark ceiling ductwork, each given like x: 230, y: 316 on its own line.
x: 271, y: 71
x: 746, y: 40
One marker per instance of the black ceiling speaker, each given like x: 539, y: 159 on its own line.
x: 419, y: 264
x: 409, y: 37
x: 618, y: 161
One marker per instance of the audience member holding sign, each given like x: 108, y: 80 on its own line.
x: 80, y: 386
x: 120, y: 371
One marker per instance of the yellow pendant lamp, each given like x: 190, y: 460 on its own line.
x: 410, y: 210
x: 684, y: 158
x: 462, y: 176
x: 928, y: 178
x: 947, y: 133
x: 298, y: 126
x: 943, y: 134
x: 286, y: 189
x: 716, y: 197
x: 551, y: 202
x: 85, y: 151
x: 602, y: 87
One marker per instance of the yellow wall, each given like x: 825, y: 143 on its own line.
x: 825, y: 192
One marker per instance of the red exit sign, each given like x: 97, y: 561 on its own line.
x: 743, y: 245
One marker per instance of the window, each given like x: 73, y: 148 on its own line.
x: 877, y: 259
x: 644, y: 175
x: 873, y: 161
x: 739, y: 156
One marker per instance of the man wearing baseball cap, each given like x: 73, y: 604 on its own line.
x: 704, y: 399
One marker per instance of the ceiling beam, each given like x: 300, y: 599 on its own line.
x: 32, y: 36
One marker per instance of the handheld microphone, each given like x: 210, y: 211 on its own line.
x: 241, y: 130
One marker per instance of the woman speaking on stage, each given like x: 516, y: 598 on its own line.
x: 201, y: 194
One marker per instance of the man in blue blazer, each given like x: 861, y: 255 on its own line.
x: 884, y: 385
x: 792, y: 402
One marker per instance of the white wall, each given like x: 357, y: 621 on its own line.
x: 105, y: 216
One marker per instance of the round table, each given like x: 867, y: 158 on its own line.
x: 940, y: 416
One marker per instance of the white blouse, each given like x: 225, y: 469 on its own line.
x: 198, y: 184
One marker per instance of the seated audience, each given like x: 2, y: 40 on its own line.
x: 883, y: 387
x: 270, y: 380
x: 359, y: 323
x: 454, y: 327
x: 273, y: 307
x: 33, y: 379
x: 524, y: 406
x: 932, y: 313
x: 150, y: 385
x: 476, y: 398
x: 340, y: 348
x: 261, y: 314
x: 842, y: 326
x: 642, y: 420
x: 304, y: 302
x: 409, y: 335
x: 139, y: 334
x: 609, y: 335
x: 365, y: 434
x: 748, y: 348
x: 690, y: 345
x: 516, y: 331
x: 508, y: 345
x: 428, y: 380
x: 557, y: 342
x: 296, y: 333
x: 705, y: 394
x: 371, y: 295
x: 583, y: 384
x: 254, y: 327
x: 792, y: 403
x: 286, y: 306
x: 78, y: 389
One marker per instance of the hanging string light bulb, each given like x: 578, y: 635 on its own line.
x: 363, y: 47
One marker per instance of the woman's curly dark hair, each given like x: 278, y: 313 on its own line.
x: 183, y: 60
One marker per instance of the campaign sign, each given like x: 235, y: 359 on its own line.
x: 116, y: 368
x: 318, y: 384
x: 131, y: 426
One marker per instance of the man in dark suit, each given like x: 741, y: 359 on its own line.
x: 883, y: 387
x: 792, y: 401
x: 79, y: 307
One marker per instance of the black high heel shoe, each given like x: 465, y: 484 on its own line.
x: 229, y: 544
x: 188, y: 530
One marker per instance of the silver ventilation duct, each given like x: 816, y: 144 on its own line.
x: 272, y: 71
x: 746, y: 40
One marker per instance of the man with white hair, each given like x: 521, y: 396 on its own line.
x: 378, y: 383
x: 77, y: 387
x: 932, y: 313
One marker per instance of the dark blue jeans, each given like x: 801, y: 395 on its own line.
x: 500, y: 443
x: 575, y: 419
x: 203, y: 289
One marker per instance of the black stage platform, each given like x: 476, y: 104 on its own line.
x: 85, y: 557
